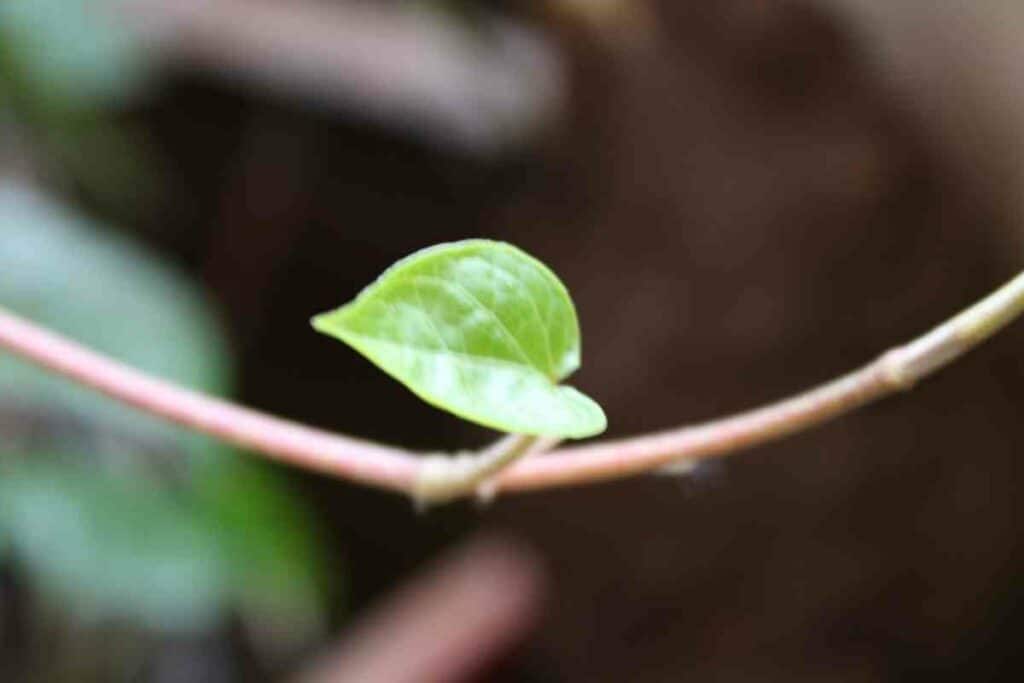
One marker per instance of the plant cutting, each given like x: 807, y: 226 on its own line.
x: 482, y: 330
x: 463, y: 326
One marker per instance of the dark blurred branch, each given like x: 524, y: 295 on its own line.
x: 446, y: 625
x: 415, y: 69
x: 392, y: 468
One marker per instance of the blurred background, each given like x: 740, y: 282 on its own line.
x: 745, y: 197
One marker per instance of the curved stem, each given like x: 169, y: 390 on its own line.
x: 896, y: 370
x: 354, y: 459
x: 374, y: 464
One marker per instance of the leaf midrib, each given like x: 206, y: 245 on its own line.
x: 542, y: 320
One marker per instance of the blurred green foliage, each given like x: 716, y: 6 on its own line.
x: 114, y: 513
x: 71, y: 54
x: 109, y: 547
x: 107, y: 514
x: 66, y: 272
x: 67, y: 68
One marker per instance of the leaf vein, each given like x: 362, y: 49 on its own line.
x: 533, y: 304
x: 457, y: 287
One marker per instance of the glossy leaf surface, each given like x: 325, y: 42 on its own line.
x: 478, y: 328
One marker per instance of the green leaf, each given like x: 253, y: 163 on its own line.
x: 72, y: 54
x: 478, y: 328
x: 64, y: 271
x: 267, y: 538
x: 112, y: 548
x: 117, y: 523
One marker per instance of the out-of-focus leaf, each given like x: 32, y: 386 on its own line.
x: 65, y: 272
x: 111, y: 548
x: 229, y: 536
x: 4, y: 536
x: 64, y: 65
x: 478, y: 328
x: 71, y: 54
x: 111, y: 162
x: 270, y: 549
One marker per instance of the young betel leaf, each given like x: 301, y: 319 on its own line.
x: 480, y: 329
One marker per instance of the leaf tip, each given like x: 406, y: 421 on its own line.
x: 318, y: 321
x: 326, y: 322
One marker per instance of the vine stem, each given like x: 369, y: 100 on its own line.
x: 354, y: 459
x: 400, y: 470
